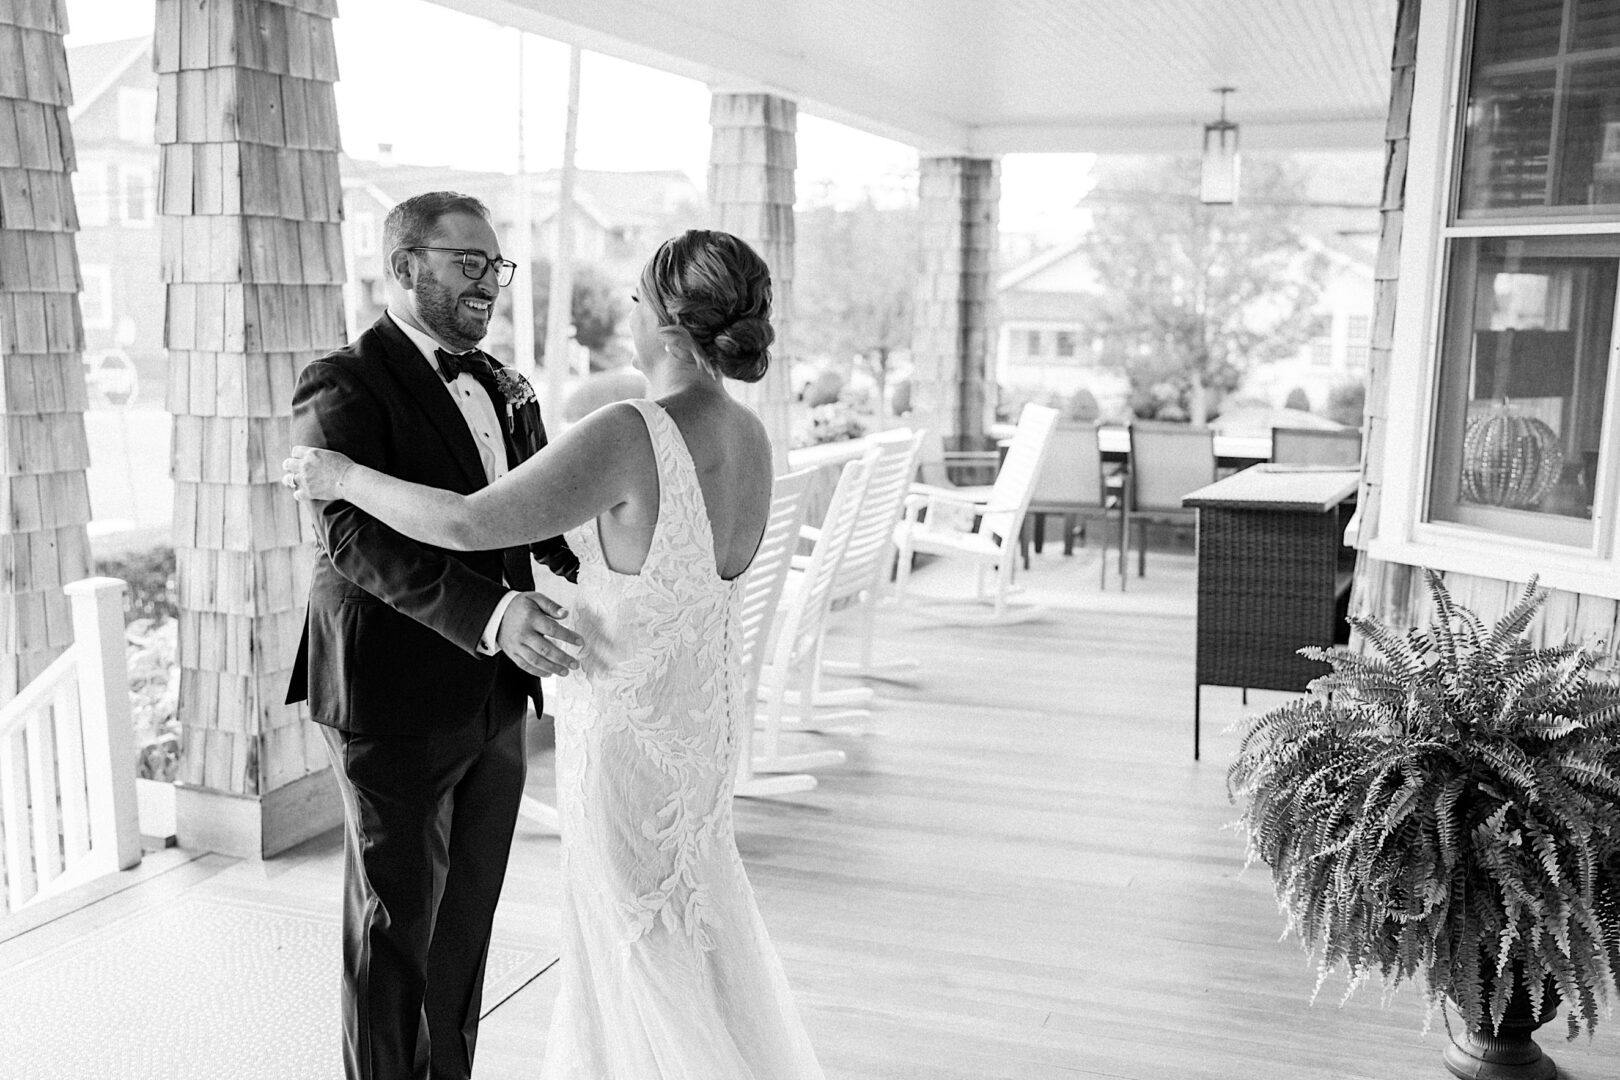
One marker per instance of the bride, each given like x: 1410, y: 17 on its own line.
x: 667, y: 971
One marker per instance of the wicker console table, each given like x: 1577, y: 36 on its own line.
x: 1272, y: 567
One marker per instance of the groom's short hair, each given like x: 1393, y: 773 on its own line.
x: 415, y: 220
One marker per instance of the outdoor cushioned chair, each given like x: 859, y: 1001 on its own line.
x: 1303, y: 446
x: 1074, y: 482
x: 983, y: 531
x: 1168, y: 460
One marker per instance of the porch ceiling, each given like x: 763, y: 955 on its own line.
x: 983, y: 77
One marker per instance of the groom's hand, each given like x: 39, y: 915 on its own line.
x: 529, y: 632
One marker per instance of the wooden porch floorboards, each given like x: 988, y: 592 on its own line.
x: 1021, y: 873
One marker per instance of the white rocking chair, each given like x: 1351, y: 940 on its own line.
x: 762, y: 595
x: 796, y: 651
x: 992, y: 543
x: 865, y: 566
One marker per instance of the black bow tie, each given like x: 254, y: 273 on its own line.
x: 473, y: 363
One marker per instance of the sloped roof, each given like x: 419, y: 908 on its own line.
x: 95, y: 69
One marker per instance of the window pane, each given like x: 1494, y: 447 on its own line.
x: 1523, y: 379
x: 1589, y: 163
x: 1542, y: 123
x: 1509, y: 30
x: 1508, y: 142
x: 1597, y: 24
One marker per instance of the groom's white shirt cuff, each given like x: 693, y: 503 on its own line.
x: 486, y: 644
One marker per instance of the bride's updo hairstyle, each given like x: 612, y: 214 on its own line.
x: 711, y: 295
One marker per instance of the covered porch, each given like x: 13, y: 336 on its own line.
x: 1020, y: 873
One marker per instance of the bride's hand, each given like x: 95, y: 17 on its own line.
x: 312, y: 473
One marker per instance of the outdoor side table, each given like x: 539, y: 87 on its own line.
x: 1272, y: 567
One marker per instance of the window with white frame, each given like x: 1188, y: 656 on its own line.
x: 95, y: 302
x: 1064, y: 344
x: 137, y: 200
x: 363, y: 234
x: 137, y: 113
x: 1033, y: 343
x: 1357, y: 337
x: 1530, y: 265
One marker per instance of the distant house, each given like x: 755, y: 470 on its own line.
x: 619, y: 218
x: 1047, y: 346
x: 1338, y: 355
x: 114, y: 115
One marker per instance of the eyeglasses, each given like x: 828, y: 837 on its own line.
x: 475, y: 264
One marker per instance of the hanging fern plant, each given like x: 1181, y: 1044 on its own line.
x: 1448, y: 808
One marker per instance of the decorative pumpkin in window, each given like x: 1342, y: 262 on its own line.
x: 1509, y: 459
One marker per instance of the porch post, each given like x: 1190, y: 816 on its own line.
x: 44, y: 497
x: 752, y: 156
x: 953, y: 317
x: 253, y: 265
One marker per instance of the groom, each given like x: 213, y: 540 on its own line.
x: 418, y: 663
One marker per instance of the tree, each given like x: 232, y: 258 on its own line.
x: 1191, y: 296
x: 598, y: 305
x: 855, y: 271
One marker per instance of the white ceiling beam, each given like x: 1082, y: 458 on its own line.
x: 1163, y: 136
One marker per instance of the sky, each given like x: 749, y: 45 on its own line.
x: 630, y: 117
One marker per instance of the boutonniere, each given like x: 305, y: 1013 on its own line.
x: 514, y: 388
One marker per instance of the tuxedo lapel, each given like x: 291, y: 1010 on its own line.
x: 424, y: 386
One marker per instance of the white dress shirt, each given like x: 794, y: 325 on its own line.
x: 485, y: 425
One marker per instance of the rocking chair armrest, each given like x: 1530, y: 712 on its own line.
x: 811, y: 533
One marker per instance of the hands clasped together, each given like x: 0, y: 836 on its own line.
x: 529, y: 628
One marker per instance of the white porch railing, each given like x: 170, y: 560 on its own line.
x: 67, y: 760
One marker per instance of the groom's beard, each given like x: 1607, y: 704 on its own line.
x: 446, y: 317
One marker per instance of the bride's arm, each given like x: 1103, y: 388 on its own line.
x: 587, y: 471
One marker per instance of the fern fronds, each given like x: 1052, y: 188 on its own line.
x: 1446, y: 808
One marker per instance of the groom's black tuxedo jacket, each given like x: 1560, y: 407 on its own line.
x: 390, y: 640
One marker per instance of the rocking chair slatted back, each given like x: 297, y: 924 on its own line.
x: 872, y: 536
x: 762, y: 588
x: 1015, y: 481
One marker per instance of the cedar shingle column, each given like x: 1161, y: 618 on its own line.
x: 1390, y: 591
x: 953, y: 320
x: 752, y: 156
x: 44, y: 499
x: 253, y: 262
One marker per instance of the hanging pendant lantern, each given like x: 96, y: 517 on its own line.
x: 1219, y: 181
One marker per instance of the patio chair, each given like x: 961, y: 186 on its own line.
x: 762, y: 596
x: 790, y: 657
x: 1302, y: 446
x: 970, y: 472
x: 1168, y: 460
x: 1074, y: 482
x: 990, y: 543
x: 866, y: 564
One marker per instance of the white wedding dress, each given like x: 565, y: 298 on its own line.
x: 666, y: 972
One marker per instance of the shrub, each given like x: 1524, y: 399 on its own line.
x: 1298, y: 399
x: 1347, y: 403
x: 150, y: 574
x: 151, y: 606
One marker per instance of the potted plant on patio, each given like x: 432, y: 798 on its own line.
x: 1446, y: 809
